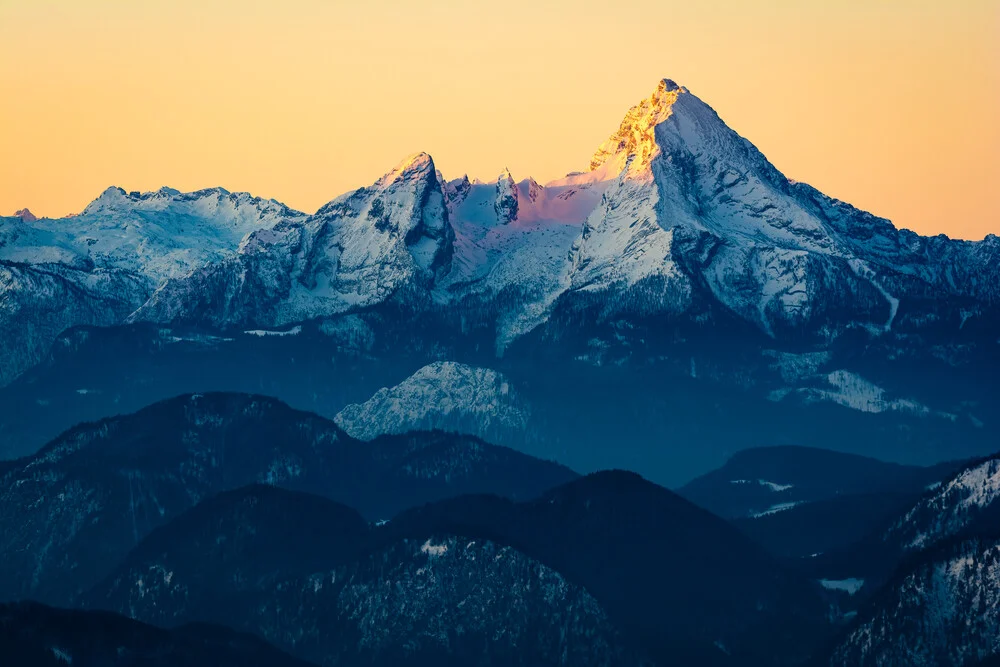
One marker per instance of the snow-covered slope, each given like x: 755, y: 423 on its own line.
x: 512, y: 247
x: 942, y: 612
x: 357, y: 251
x: 40, y: 301
x: 677, y: 209
x: 444, y: 395
x: 950, y: 507
x: 25, y: 215
x: 159, y: 235
x: 679, y: 222
x: 98, y: 267
x: 696, y: 206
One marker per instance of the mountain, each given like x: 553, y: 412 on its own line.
x: 356, y: 251
x: 311, y: 577
x: 236, y: 542
x: 968, y: 497
x: 156, y: 235
x: 962, y: 506
x: 680, y: 583
x: 691, y: 218
x: 98, y: 267
x: 941, y: 609
x: 443, y: 395
x: 802, y: 502
x: 940, y: 564
x: 25, y: 215
x: 732, y: 229
x: 609, y: 562
x: 767, y: 480
x: 681, y: 289
x: 73, y: 510
x: 33, y: 635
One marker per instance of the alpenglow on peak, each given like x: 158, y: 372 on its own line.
x: 635, y: 136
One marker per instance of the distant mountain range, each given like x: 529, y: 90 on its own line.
x: 234, y: 510
x: 680, y: 266
x: 433, y: 423
x: 76, y: 507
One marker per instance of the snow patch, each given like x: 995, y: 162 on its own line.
x: 294, y: 331
x: 434, y: 550
x: 773, y: 486
x: 774, y: 509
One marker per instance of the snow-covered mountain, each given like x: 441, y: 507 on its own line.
x: 941, y: 611
x: 680, y: 250
x: 98, y: 267
x: 942, y: 604
x: 355, y: 252
x: 950, y: 508
x: 26, y: 215
x: 157, y: 235
x: 444, y: 395
x: 677, y: 211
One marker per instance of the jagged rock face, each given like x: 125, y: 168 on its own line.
x: 505, y: 205
x: 359, y: 250
x: 158, y: 235
x: 695, y: 207
x: 679, y: 217
x: 25, y: 215
x: 72, y: 510
x: 688, y: 216
x: 684, y: 249
x: 38, y: 302
x: 443, y: 395
x: 635, y: 139
x: 942, y: 612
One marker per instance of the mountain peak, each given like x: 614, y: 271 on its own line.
x: 415, y: 165
x: 667, y: 86
x: 25, y: 215
x: 506, y: 203
x: 635, y: 138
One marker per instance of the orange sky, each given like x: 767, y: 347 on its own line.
x: 891, y: 105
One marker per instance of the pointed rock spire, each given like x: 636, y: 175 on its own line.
x: 506, y: 203
x: 25, y: 215
x: 635, y: 143
x: 456, y: 190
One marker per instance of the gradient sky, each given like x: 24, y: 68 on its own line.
x: 891, y: 105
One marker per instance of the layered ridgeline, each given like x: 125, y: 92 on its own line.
x: 941, y: 605
x: 805, y: 502
x: 74, y: 509
x: 603, y: 570
x: 312, y: 576
x: 98, y: 267
x: 681, y: 266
